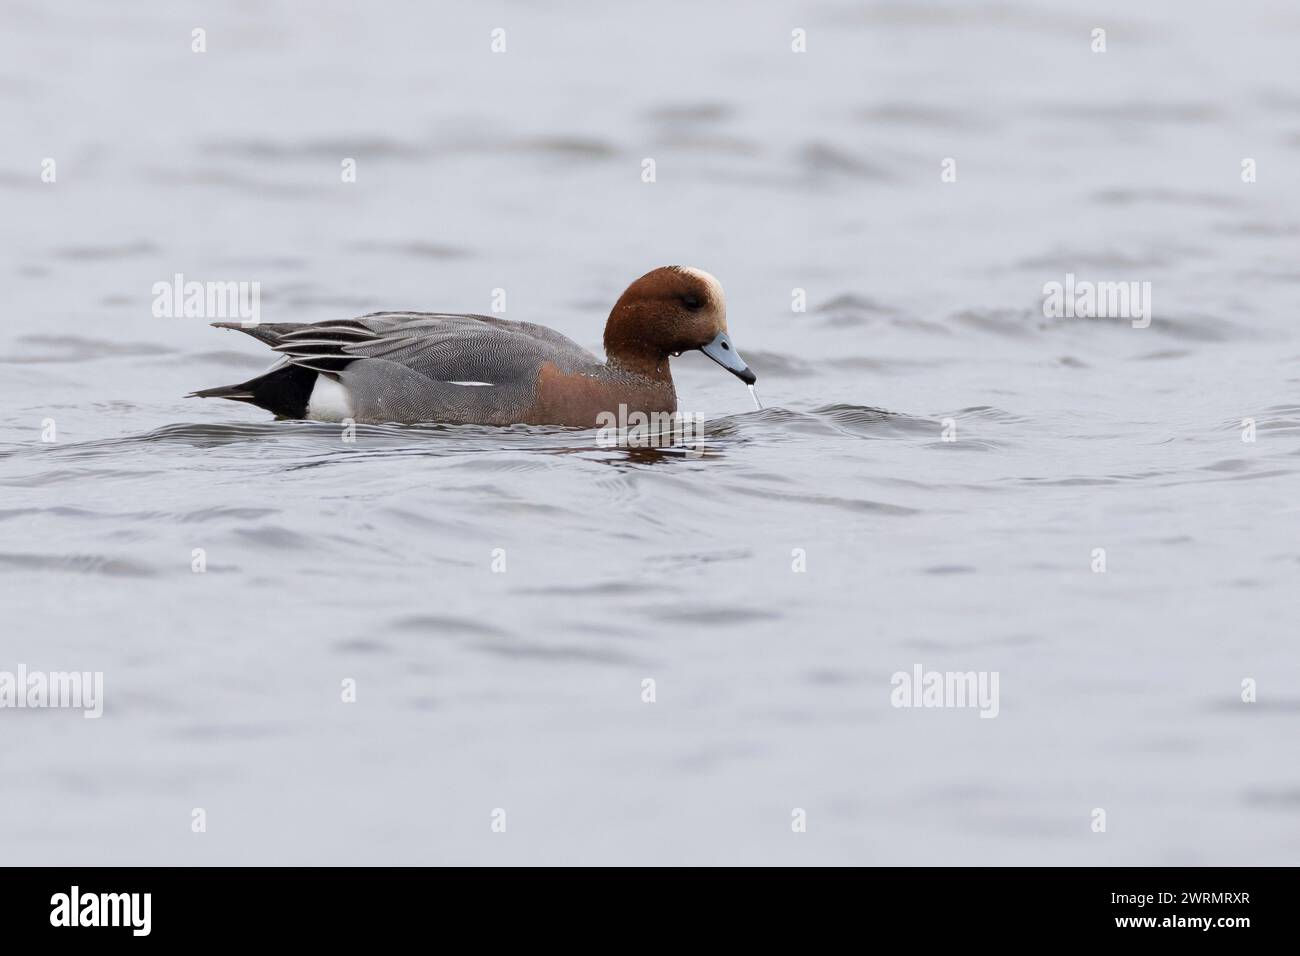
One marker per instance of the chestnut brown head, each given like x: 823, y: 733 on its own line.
x: 669, y: 311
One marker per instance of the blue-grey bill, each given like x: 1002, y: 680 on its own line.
x: 724, y: 353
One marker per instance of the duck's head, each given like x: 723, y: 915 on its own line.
x: 667, y: 312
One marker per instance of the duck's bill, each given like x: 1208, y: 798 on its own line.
x: 724, y: 353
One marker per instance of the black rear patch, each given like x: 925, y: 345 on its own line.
x: 284, y: 391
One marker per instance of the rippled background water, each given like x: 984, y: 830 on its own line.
x: 522, y: 690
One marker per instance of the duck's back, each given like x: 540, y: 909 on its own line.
x: 410, y: 367
x: 473, y: 369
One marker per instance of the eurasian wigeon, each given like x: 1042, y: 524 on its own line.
x: 475, y: 369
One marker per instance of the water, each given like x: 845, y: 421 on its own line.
x: 522, y: 690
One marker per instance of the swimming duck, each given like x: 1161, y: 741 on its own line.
x: 483, y: 370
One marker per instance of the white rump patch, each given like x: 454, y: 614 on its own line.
x: 329, y: 402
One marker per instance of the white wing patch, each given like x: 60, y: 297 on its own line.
x: 475, y: 384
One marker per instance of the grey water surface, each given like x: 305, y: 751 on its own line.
x: 521, y: 689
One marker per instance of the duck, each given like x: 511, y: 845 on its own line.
x: 418, y: 367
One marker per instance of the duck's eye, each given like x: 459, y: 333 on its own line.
x: 691, y: 302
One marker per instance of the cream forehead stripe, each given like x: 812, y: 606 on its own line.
x: 715, y: 287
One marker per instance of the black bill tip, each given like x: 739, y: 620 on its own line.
x: 724, y: 353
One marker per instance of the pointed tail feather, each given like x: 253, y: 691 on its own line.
x: 239, y: 393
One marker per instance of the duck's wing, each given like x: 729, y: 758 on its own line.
x: 440, y: 347
x: 413, y: 366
